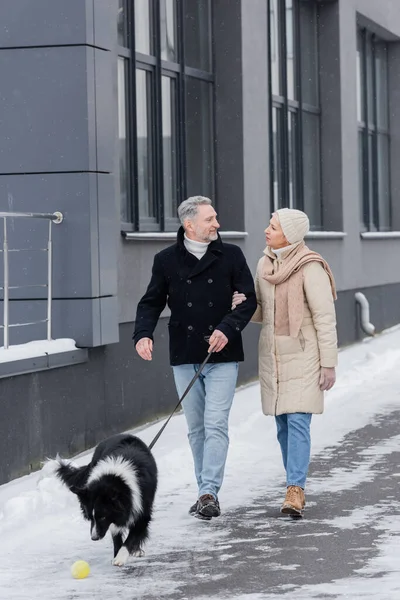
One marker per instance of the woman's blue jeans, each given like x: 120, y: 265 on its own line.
x: 295, y: 441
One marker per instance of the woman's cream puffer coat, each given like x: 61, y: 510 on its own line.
x: 289, y: 368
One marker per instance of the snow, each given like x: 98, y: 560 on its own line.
x: 36, y: 349
x: 43, y: 533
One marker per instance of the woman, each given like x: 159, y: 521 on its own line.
x: 298, y: 342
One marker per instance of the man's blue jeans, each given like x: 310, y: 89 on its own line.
x: 295, y: 441
x: 207, y: 408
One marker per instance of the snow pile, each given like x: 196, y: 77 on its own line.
x: 36, y: 349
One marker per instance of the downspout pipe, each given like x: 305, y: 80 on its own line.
x: 366, y: 326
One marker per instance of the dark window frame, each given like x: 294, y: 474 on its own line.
x: 287, y: 107
x: 370, y: 130
x: 179, y: 72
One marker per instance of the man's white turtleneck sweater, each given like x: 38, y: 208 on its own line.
x: 198, y: 249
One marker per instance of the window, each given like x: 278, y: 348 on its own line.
x: 295, y: 110
x: 165, y: 101
x: 373, y: 131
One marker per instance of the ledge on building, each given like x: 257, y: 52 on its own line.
x: 40, y: 356
x: 326, y: 235
x: 380, y: 235
x: 171, y: 235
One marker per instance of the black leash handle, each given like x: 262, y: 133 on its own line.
x: 189, y: 387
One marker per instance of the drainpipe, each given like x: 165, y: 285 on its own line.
x: 366, y: 326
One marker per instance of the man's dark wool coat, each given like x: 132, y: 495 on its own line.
x: 199, y: 294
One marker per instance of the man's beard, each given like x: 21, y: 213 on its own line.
x: 212, y: 237
x: 206, y: 238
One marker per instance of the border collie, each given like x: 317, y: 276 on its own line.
x: 116, y: 491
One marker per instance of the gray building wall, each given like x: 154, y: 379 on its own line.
x: 359, y: 263
x: 255, y: 127
x: 57, y: 152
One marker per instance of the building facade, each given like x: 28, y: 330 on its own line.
x: 114, y: 111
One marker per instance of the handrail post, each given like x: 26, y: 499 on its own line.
x: 49, y: 281
x: 6, y: 286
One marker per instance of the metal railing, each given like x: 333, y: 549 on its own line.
x: 55, y: 217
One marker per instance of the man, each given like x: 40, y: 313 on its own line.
x: 197, y: 277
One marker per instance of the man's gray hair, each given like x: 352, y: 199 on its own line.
x: 188, y: 208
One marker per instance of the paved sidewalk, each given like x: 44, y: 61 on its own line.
x: 353, y: 499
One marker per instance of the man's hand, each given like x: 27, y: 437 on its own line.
x: 327, y: 378
x: 218, y: 341
x: 237, y: 299
x: 144, y: 348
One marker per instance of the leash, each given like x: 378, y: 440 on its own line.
x: 203, y: 364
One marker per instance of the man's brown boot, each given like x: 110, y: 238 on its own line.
x: 295, y: 501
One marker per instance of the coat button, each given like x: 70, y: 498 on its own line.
x: 210, y: 280
x: 189, y: 304
x: 237, y: 328
x: 188, y: 281
x: 210, y: 304
x: 210, y: 327
x: 190, y: 327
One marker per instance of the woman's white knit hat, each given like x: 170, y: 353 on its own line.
x: 295, y: 224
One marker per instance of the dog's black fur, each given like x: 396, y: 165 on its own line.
x: 116, y: 490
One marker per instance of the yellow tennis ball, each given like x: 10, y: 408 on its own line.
x: 80, y: 569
